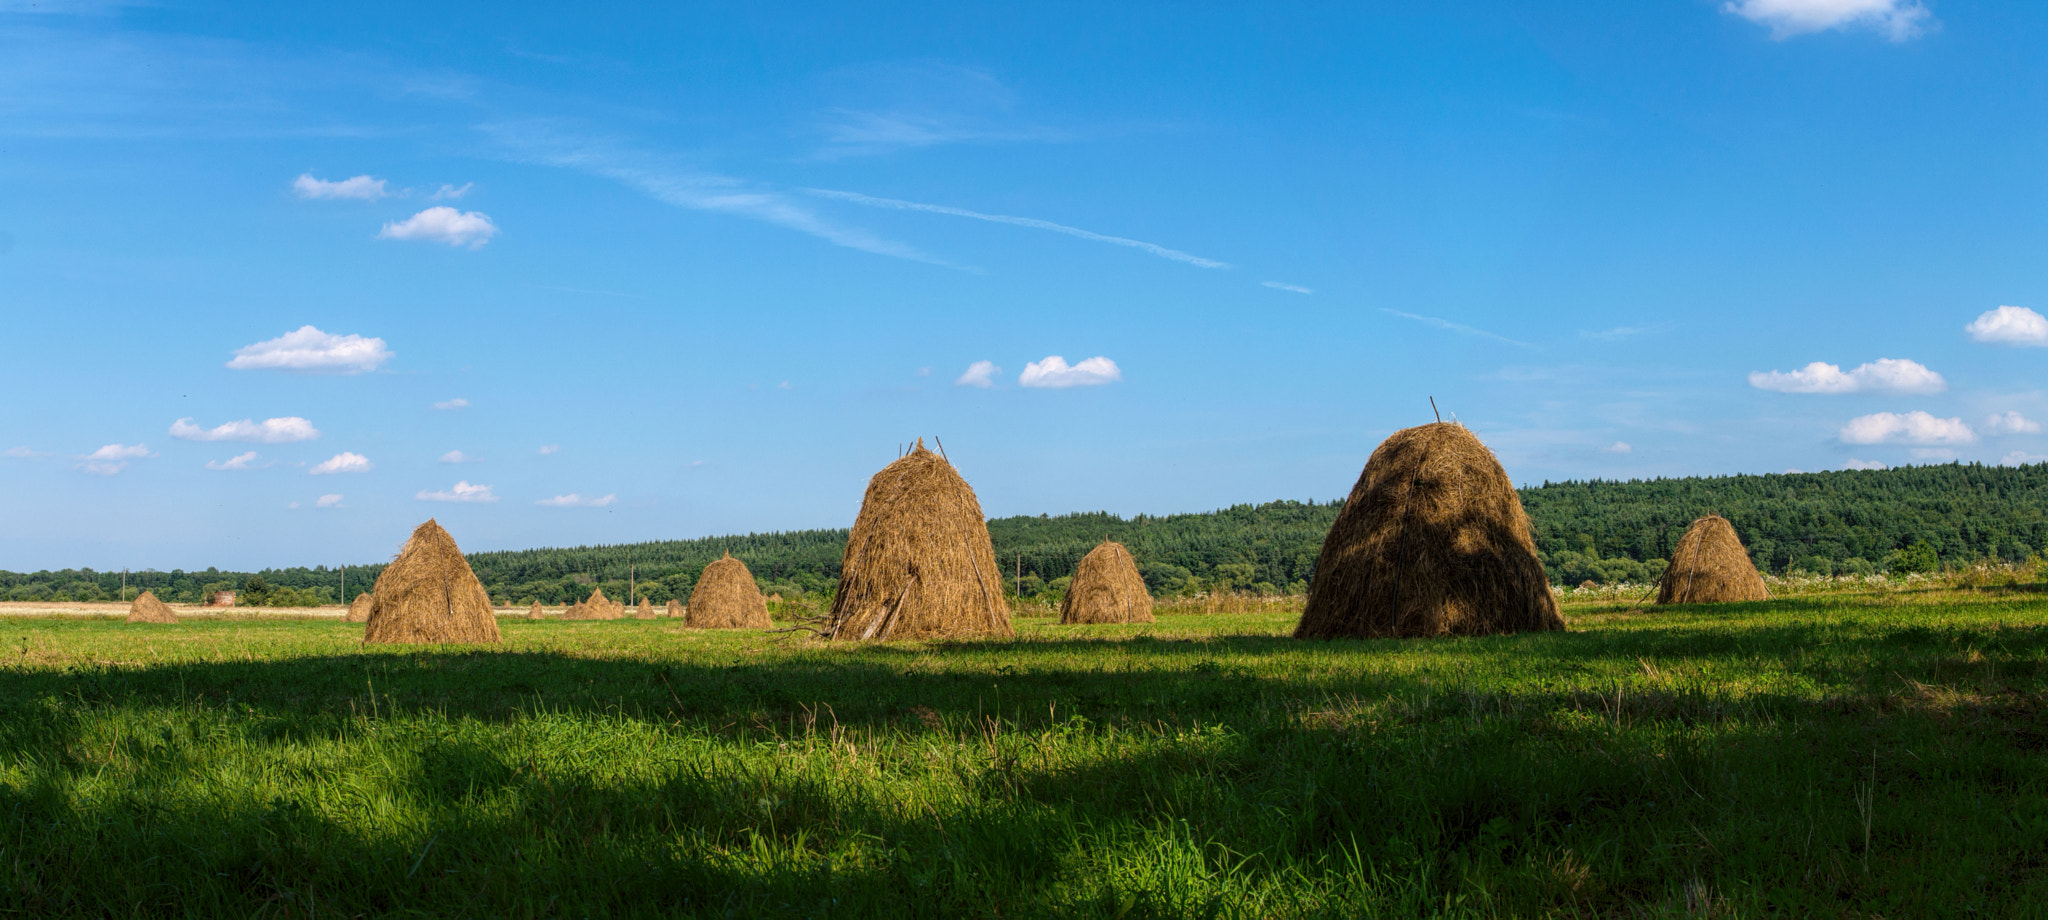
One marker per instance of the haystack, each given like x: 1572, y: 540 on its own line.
x: 726, y: 598
x: 596, y: 607
x: 147, y: 609
x: 359, y: 609
x: 645, y: 611
x: 675, y: 607
x: 1107, y: 589
x: 1709, y: 566
x: 918, y: 563
x: 429, y: 594
x: 1432, y: 542
x: 535, y: 612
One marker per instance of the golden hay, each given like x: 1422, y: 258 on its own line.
x: 645, y: 611
x: 675, y: 607
x: 1107, y: 589
x: 147, y: 609
x: 1709, y: 566
x: 726, y: 598
x: 596, y: 607
x: 429, y: 594
x: 1432, y: 542
x: 918, y: 563
x: 535, y: 612
x: 359, y: 609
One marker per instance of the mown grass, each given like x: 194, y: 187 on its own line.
x: 1881, y: 754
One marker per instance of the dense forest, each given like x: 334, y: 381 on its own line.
x: 1912, y: 518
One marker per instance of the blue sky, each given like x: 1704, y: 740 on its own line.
x: 282, y: 281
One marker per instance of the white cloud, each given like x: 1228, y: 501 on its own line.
x: 2011, y: 422
x: 309, y: 349
x: 1054, y: 372
x: 270, y: 431
x: 1899, y: 20
x: 20, y: 452
x: 360, y: 187
x: 1856, y: 464
x: 2009, y: 326
x: 343, y: 462
x: 979, y: 374
x: 243, y: 461
x: 1032, y: 222
x: 456, y: 456
x: 573, y: 500
x: 2021, y: 458
x: 462, y: 492
x: 1618, y: 447
x: 1884, y: 375
x: 548, y: 450
x: 1914, y: 427
x: 328, y: 501
x: 1283, y: 286
x: 443, y: 224
x: 456, y: 403
x: 450, y: 192
x: 112, y: 458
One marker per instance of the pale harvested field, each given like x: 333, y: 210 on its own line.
x: 195, y: 611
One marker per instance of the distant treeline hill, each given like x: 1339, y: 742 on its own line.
x: 1849, y: 521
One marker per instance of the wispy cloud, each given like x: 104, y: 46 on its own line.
x: 1055, y: 373
x: 361, y: 188
x: 456, y: 403
x: 344, y: 462
x: 2011, y: 422
x: 23, y: 452
x: 547, y: 450
x: 285, y: 430
x: 1459, y: 328
x: 443, y: 224
x: 979, y: 374
x: 573, y: 500
x: 1031, y: 222
x: 307, y: 349
x: 330, y: 500
x: 112, y: 458
x: 1884, y: 375
x: 460, y: 492
x: 242, y: 461
x: 1618, y: 447
x: 1898, y: 20
x: 1619, y: 333
x: 1284, y: 286
x: 450, y: 192
x: 897, y: 106
x: 456, y: 456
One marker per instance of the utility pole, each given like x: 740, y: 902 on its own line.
x: 344, y: 583
x: 124, y: 584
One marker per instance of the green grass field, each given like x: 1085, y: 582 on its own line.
x: 1869, y: 754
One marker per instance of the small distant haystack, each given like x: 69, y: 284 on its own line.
x: 1432, y: 542
x: 918, y: 563
x: 597, y: 607
x: 1710, y: 566
x: 429, y: 594
x: 535, y: 612
x: 1107, y: 589
x: 359, y: 609
x: 727, y: 598
x: 675, y: 607
x: 147, y: 609
x: 645, y: 611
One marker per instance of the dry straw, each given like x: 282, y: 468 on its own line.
x: 675, y: 607
x: 596, y: 607
x: 535, y: 612
x: 1709, y: 566
x: 918, y: 563
x: 147, y: 609
x: 1107, y: 589
x: 727, y: 598
x: 429, y: 594
x: 359, y: 609
x: 645, y: 611
x: 1432, y: 542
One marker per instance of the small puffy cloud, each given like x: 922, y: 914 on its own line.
x: 1618, y: 447
x: 2009, y: 326
x: 21, y: 452
x: 1884, y: 375
x: 1914, y: 427
x: 269, y: 431
x: 2011, y: 423
x: 362, y: 188
x: 456, y: 403
x: 112, y: 458
x: 343, y: 462
x: 2021, y: 458
x: 1284, y: 286
x: 1899, y: 20
x: 443, y: 224
x: 1054, y: 372
x: 309, y: 349
x: 329, y: 500
x: 450, y: 192
x: 461, y: 492
x: 979, y: 374
x: 573, y: 500
x: 1856, y: 464
x: 456, y: 456
x: 243, y: 461
x: 549, y: 450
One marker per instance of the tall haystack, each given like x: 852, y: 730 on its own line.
x: 535, y: 612
x: 1432, y: 542
x: 1709, y: 566
x: 727, y: 598
x: 359, y: 609
x: 1107, y: 589
x: 596, y: 607
x: 675, y: 607
x: 147, y: 609
x: 918, y: 563
x: 645, y: 611
x: 429, y: 594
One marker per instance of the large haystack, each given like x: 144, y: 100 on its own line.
x: 429, y: 594
x: 727, y: 598
x: 918, y: 563
x: 596, y: 607
x: 1709, y: 566
x: 1107, y: 589
x: 675, y: 607
x: 535, y: 612
x: 645, y: 611
x: 359, y: 609
x: 147, y: 609
x: 1432, y: 542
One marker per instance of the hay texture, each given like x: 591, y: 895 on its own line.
x: 147, y: 609
x: 1432, y: 542
x: 918, y: 563
x: 359, y: 609
x: 1710, y: 566
x: 535, y: 612
x: 645, y: 611
x: 675, y: 607
x: 1107, y: 589
x: 727, y: 598
x: 428, y: 594
x: 596, y: 607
